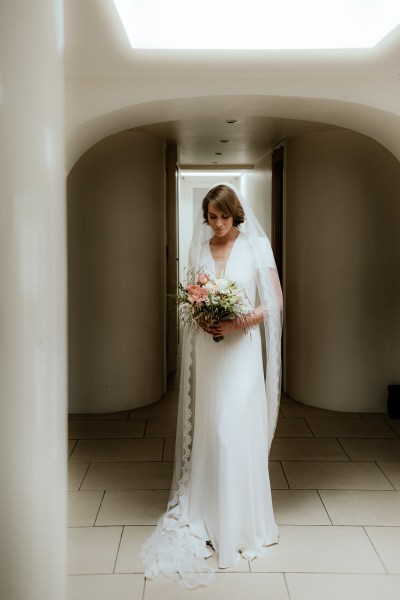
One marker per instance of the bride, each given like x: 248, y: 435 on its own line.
x: 228, y: 406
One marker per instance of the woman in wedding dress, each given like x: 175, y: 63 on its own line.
x: 228, y: 405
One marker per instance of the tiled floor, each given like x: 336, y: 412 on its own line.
x: 336, y: 492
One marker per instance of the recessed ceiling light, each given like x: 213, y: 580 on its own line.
x: 283, y: 25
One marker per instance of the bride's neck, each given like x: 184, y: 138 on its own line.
x: 227, y: 239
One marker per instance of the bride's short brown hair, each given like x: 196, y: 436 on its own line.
x: 224, y: 199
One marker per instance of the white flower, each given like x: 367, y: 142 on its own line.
x: 222, y: 283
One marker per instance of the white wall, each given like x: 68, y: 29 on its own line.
x: 342, y: 273
x: 116, y: 252
x: 192, y: 190
x: 256, y: 187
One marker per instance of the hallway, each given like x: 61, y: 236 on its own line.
x: 336, y: 490
x: 72, y: 90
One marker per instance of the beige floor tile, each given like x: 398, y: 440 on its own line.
x: 117, y: 450
x: 306, y: 449
x: 335, y: 475
x: 164, y: 409
x: 348, y: 507
x: 392, y: 472
x: 76, y: 473
x: 315, y: 586
x: 394, y: 424
x: 133, y: 538
x: 92, y: 550
x: 157, y: 428
x: 386, y: 541
x: 106, y: 429
x: 299, y: 507
x: 83, y: 508
x: 285, y: 398
x: 123, y: 414
x: 379, y: 450
x: 169, y: 449
x: 71, y: 446
x: 105, y: 587
x: 128, y: 476
x: 171, y: 397
x: 292, y: 428
x: 242, y: 566
x: 136, y: 507
x: 323, y: 549
x: 226, y: 586
x: 351, y: 428
x: 297, y: 409
x: 277, y: 476
x: 374, y: 415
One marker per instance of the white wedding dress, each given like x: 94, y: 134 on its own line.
x: 226, y: 497
x: 229, y: 495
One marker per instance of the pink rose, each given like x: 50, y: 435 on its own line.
x: 203, y: 278
x: 192, y: 288
x: 196, y: 294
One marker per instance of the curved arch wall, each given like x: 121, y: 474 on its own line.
x: 343, y: 264
x: 116, y: 274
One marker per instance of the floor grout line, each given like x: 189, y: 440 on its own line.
x: 83, y: 478
x: 98, y: 510
x: 119, y: 546
x: 376, y: 551
x: 341, y: 445
x: 345, y: 460
x: 309, y: 426
x: 389, y: 424
x: 326, y: 510
x: 287, y: 585
x: 284, y: 474
x: 382, y: 471
x: 144, y: 587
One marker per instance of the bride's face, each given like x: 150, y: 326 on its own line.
x: 219, y: 222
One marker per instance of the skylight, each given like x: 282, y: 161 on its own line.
x: 257, y: 24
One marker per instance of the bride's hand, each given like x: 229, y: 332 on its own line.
x: 223, y: 328
x: 230, y: 326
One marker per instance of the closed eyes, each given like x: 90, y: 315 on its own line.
x: 212, y: 216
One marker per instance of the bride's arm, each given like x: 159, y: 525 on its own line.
x: 250, y: 320
x: 258, y: 314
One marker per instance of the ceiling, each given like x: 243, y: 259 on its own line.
x: 200, y: 142
x: 105, y: 78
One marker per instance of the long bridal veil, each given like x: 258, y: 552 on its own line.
x: 173, y: 548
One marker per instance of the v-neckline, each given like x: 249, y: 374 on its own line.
x: 223, y: 272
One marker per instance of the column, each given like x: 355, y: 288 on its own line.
x: 32, y: 302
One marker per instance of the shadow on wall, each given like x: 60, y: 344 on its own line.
x: 343, y: 262
x: 115, y: 274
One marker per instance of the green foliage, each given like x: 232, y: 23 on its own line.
x: 209, y: 301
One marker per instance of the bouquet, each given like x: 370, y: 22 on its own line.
x: 206, y: 301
